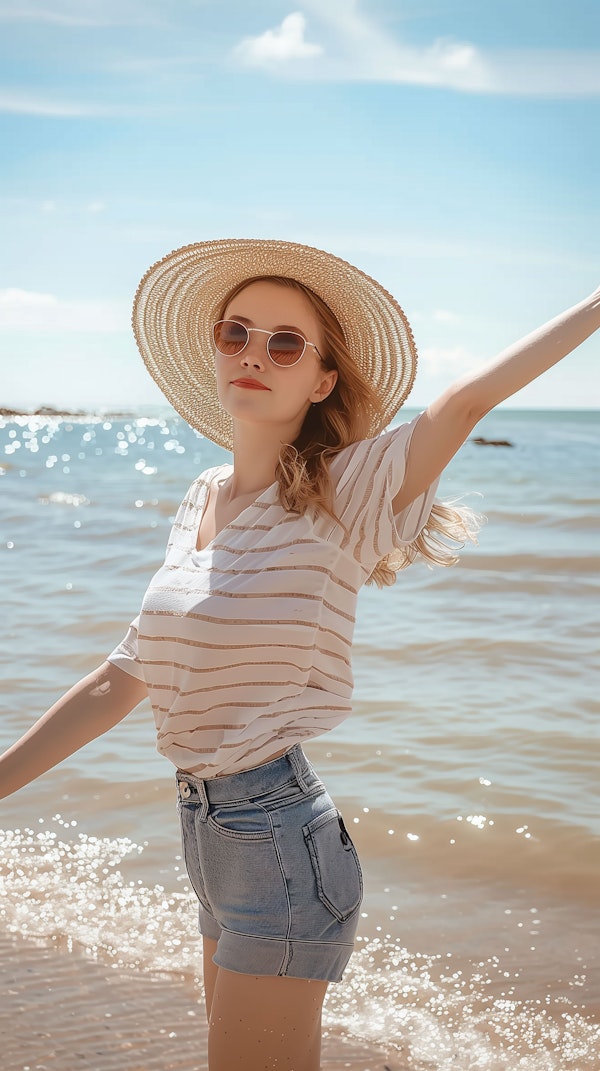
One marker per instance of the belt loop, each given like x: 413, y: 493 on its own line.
x: 298, y: 764
x: 200, y: 785
x: 183, y: 784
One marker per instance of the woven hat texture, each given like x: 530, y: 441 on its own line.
x: 178, y: 301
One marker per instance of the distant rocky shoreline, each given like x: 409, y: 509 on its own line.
x: 50, y: 411
x: 80, y: 414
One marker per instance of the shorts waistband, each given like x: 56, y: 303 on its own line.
x: 247, y: 783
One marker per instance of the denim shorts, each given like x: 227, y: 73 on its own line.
x: 274, y: 869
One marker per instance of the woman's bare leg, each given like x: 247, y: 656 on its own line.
x: 209, y: 970
x: 260, y: 1023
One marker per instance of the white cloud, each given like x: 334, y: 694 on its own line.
x: 50, y: 207
x: 132, y: 65
x: 360, y: 50
x: 26, y: 104
x: 23, y: 103
x: 76, y: 12
x: 446, y: 316
x: 546, y: 72
x: 287, y: 42
x: 450, y: 361
x: 31, y: 311
x: 369, y: 53
x: 31, y: 13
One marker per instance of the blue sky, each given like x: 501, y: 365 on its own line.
x: 449, y: 149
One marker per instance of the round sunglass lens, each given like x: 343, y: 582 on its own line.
x: 285, y: 347
x: 230, y: 337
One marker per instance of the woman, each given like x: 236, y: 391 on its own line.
x: 295, y: 361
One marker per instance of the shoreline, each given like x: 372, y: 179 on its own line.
x: 50, y: 413
x: 9, y: 412
x: 65, y: 1008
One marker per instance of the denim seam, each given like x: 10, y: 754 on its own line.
x: 256, y: 837
x: 185, y: 852
x: 308, y: 795
x: 301, y: 768
x: 289, y: 941
x: 288, y: 956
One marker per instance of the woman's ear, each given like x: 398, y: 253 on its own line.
x: 325, y: 387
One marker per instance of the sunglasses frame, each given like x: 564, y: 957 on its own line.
x: 261, y: 331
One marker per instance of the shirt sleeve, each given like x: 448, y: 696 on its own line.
x: 373, y: 474
x: 125, y: 654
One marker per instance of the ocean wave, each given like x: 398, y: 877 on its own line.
x: 434, y: 1010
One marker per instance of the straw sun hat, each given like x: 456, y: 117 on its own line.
x: 179, y: 299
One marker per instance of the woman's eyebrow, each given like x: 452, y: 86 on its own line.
x: 278, y: 327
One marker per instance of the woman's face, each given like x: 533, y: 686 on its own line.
x: 280, y: 396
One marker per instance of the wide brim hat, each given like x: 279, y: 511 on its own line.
x: 180, y: 298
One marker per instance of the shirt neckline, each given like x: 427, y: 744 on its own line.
x: 206, y: 485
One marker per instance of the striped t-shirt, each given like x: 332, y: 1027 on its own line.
x: 245, y: 645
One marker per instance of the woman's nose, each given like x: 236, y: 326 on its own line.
x: 255, y: 352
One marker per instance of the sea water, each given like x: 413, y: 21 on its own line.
x: 467, y: 774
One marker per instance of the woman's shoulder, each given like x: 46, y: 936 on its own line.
x: 353, y: 457
x: 201, y: 482
x: 208, y: 475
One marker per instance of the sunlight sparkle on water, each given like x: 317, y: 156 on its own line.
x: 424, y: 1008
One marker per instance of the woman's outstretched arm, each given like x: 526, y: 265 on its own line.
x: 445, y: 425
x: 86, y: 711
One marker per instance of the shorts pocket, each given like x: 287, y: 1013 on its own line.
x: 335, y: 864
x: 243, y: 821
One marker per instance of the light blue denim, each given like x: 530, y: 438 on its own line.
x: 274, y: 869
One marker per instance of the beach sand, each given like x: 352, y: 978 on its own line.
x: 64, y: 1011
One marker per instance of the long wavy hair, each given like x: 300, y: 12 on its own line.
x: 343, y: 418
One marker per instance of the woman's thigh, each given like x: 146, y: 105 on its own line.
x: 260, y: 1022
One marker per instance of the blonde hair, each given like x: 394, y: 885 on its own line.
x: 343, y: 418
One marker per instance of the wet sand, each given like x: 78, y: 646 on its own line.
x: 63, y: 1011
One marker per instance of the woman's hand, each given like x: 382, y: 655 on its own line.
x: 86, y: 711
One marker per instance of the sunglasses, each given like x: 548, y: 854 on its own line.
x: 285, y: 348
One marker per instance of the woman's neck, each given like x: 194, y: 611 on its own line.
x: 255, y: 457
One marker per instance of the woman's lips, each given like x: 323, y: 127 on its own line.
x: 249, y: 384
